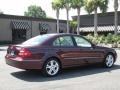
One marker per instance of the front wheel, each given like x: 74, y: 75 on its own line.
x: 109, y: 61
x: 51, y: 67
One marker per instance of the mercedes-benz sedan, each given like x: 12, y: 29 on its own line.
x: 52, y: 52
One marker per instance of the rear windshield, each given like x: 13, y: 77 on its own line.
x: 36, y: 40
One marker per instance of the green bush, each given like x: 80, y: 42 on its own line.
x: 101, y: 39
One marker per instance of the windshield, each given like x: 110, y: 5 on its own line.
x: 36, y: 40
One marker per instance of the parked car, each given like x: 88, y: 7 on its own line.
x: 52, y: 52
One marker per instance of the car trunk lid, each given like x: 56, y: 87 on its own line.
x: 18, y: 51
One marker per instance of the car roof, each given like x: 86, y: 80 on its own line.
x: 61, y: 34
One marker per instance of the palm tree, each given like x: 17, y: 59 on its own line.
x: 77, y: 4
x: 56, y: 5
x: 66, y: 5
x: 73, y: 26
x: 116, y: 16
x: 93, y: 5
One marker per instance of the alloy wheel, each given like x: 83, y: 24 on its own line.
x: 109, y: 61
x: 51, y: 67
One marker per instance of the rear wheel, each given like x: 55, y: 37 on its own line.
x: 109, y: 60
x: 51, y: 67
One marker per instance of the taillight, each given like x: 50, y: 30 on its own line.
x: 24, y: 53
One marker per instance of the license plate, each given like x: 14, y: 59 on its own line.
x: 12, y: 53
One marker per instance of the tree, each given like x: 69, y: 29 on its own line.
x: 93, y: 5
x: 116, y: 16
x: 73, y: 26
x: 66, y: 5
x: 56, y: 5
x: 77, y: 4
x: 35, y: 11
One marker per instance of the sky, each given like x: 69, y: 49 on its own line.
x: 17, y: 7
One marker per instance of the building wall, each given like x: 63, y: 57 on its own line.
x: 35, y: 28
x: 103, y: 19
x: 36, y: 31
x: 105, y: 23
x: 5, y: 31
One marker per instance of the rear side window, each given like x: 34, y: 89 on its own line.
x: 36, y: 40
x: 63, y: 41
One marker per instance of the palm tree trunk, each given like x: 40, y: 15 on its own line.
x: 95, y: 22
x: 116, y: 16
x: 78, y: 21
x: 57, y: 14
x: 67, y: 10
x: 116, y: 23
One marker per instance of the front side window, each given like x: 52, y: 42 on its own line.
x: 63, y: 41
x: 82, y: 42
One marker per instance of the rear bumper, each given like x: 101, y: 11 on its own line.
x: 24, y: 64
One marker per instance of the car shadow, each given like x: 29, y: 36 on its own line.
x: 36, y: 76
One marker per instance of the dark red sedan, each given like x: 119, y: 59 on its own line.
x: 52, y: 52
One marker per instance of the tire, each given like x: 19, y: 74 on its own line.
x: 51, y: 67
x: 109, y: 60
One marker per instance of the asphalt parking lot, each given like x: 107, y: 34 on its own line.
x: 83, y: 78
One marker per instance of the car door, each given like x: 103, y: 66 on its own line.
x: 87, y: 51
x: 65, y: 49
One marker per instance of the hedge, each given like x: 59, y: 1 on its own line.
x: 101, y: 39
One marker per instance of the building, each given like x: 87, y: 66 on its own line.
x: 105, y: 23
x: 20, y: 28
